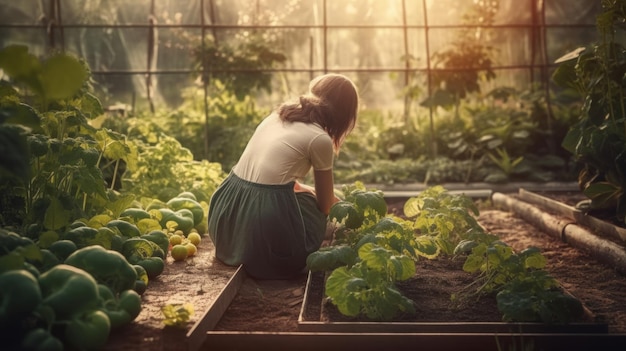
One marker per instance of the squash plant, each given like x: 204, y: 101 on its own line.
x: 372, y: 250
x: 598, y: 139
x: 524, y: 291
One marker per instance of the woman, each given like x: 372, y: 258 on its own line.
x: 261, y: 216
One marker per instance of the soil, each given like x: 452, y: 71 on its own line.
x: 274, y: 305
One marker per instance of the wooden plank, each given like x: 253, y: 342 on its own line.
x: 599, y: 226
x: 301, y: 341
x: 549, y: 204
x: 196, y: 335
x: 449, y: 327
x: 471, y: 193
x: 604, y: 228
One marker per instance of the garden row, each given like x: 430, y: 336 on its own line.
x: 80, y: 238
x: 73, y: 290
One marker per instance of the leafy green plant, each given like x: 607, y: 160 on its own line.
x: 165, y: 167
x: 370, y: 254
x: 598, y: 139
x: 525, y: 292
x: 177, y: 315
x: 63, y: 151
x: 373, y: 250
x: 368, y: 287
x: 445, y: 217
x: 505, y: 163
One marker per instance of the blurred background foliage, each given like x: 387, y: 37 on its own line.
x: 452, y: 90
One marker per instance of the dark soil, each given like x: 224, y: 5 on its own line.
x: 431, y: 289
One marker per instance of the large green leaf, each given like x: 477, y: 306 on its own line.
x: 346, y: 212
x: 14, y: 153
x: 330, y: 258
x: 413, y: 206
x: 90, y: 106
x: 56, y: 216
x: 340, y: 287
x: 20, y: 114
x: 20, y: 65
x: 62, y: 76
x: 399, y: 267
x: 603, y: 193
x: 425, y: 246
x: 371, y: 200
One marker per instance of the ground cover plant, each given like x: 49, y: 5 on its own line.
x: 372, y: 251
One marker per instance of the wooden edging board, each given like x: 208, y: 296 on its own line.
x: 304, y: 341
x: 569, y: 231
x: 197, y: 334
x: 313, y: 322
x: 601, y: 227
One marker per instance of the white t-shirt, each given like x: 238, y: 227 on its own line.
x: 280, y: 152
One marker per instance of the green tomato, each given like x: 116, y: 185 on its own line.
x: 130, y: 301
x: 48, y: 261
x: 135, y: 214
x: 154, y: 266
x: 108, y: 267
x: 88, y: 331
x: 20, y: 295
x: 127, y: 229
x: 179, y: 203
x: 140, y: 287
x: 40, y: 339
x: 69, y: 291
x: 121, y: 309
x: 62, y: 248
x: 142, y: 274
x: 158, y: 237
x: 137, y: 249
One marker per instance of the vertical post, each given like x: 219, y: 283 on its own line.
x: 325, y: 34
x: 534, y: 41
x: 407, y: 64
x: 51, y: 23
x: 151, y: 46
x: 433, y: 144
x: 55, y: 21
x: 60, y: 24
x: 205, y: 79
x: 545, y: 75
x: 311, y: 52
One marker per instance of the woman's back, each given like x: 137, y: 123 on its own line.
x: 280, y: 152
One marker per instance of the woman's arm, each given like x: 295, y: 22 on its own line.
x: 324, y: 190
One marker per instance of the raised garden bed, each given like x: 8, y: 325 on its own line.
x: 245, y: 314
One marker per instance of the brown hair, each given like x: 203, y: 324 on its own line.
x: 332, y: 102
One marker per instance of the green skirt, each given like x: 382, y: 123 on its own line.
x: 269, y: 229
